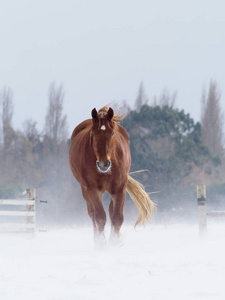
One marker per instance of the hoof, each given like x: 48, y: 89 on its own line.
x: 115, y: 240
x: 100, y: 241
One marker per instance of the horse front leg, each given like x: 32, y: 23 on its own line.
x: 116, y: 214
x: 97, y: 214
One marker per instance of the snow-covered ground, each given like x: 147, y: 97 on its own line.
x: 155, y: 262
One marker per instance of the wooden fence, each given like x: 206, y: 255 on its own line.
x: 202, y: 210
x: 18, y: 215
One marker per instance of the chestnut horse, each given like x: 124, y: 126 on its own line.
x: 100, y: 160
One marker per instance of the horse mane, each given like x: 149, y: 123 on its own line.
x: 118, y: 116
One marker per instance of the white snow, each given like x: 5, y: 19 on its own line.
x: 155, y: 262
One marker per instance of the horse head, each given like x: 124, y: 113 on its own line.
x: 102, y: 138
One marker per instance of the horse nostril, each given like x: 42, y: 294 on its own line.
x: 107, y: 163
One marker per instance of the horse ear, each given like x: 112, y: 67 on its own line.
x: 94, y: 114
x: 110, y: 114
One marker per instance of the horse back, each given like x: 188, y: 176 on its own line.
x: 83, y: 126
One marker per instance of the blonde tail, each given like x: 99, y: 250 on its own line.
x: 141, y: 199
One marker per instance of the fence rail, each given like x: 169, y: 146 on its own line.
x: 22, y: 209
x: 216, y: 213
x: 16, y: 202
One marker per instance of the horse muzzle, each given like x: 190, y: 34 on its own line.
x: 104, y: 166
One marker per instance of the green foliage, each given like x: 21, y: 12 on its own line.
x: 165, y: 141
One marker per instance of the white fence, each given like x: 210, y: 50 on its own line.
x: 18, y: 214
x: 202, y: 209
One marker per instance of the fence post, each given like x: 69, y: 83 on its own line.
x: 201, y: 198
x: 31, y: 195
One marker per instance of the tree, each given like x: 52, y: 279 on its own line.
x: 7, y: 134
x: 141, y: 98
x: 212, y: 121
x: 31, y: 159
x: 33, y: 135
x: 55, y: 167
x: 16, y: 152
x: 6, y: 116
x: 55, y: 121
x: 165, y: 99
x: 55, y: 137
x: 167, y: 142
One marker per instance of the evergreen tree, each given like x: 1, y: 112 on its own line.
x: 167, y: 142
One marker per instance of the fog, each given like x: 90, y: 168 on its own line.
x: 156, y: 262
x: 101, y: 51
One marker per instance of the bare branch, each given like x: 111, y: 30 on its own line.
x: 55, y: 121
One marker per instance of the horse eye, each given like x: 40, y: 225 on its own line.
x: 92, y: 135
x: 112, y: 133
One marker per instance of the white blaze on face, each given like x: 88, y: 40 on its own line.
x: 103, y: 127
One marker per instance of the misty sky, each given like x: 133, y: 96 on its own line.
x: 101, y: 50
